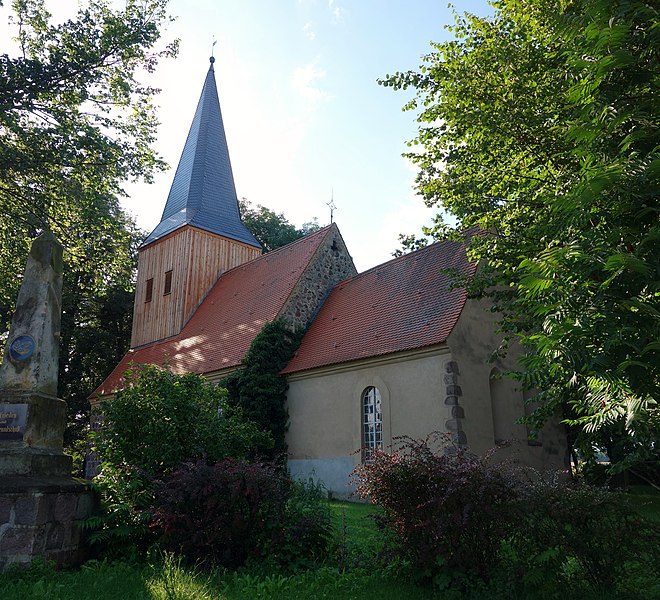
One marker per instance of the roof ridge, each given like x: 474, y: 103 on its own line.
x: 154, y: 343
x: 404, y: 256
x: 395, y: 318
x: 242, y: 266
x: 278, y: 250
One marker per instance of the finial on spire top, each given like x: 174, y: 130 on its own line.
x: 212, y: 58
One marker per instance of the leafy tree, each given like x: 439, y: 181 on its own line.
x: 273, y: 230
x: 410, y: 243
x: 75, y: 123
x: 538, y: 125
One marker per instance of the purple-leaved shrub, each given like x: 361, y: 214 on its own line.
x: 233, y: 512
x: 450, y: 510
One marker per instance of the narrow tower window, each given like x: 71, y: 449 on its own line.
x: 372, y: 423
x: 168, y: 283
x: 149, y: 291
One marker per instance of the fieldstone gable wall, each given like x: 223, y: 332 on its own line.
x: 331, y: 264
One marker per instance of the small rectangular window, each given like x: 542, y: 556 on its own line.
x: 168, y: 283
x: 149, y: 292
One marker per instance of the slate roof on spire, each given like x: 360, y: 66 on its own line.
x: 203, y: 193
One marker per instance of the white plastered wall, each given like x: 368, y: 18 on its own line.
x: 445, y: 388
x: 324, y: 436
x: 472, y: 343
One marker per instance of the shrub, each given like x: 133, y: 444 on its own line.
x: 157, y: 421
x: 308, y: 528
x: 161, y: 419
x: 232, y: 512
x: 592, y: 528
x: 449, y: 510
x: 456, y: 515
x: 222, y: 513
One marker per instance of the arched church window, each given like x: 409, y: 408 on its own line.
x: 372, y: 422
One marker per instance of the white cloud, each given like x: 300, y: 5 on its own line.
x: 309, y: 31
x: 338, y: 12
x: 304, y: 80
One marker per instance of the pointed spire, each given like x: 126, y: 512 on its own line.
x: 203, y: 193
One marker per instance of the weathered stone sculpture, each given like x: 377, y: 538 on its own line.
x: 39, y: 500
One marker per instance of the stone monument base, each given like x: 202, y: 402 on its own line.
x: 40, y: 518
x: 33, y: 462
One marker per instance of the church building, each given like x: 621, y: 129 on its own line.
x: 394, y: 351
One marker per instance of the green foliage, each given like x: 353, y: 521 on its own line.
x: 258, y: 389
x: 273, y: 230
x: 448, y: 510
x: 156, y: 422
x: 167, y: 576
x: 233, y: 512
x: 410, y: 243
x: 584, y: 534
x: 75, y: 123
x: 482, y: 529
x: 307, y: 531
x: 161, y: 419
x: 538, y: 124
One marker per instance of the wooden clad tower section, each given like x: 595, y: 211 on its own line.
x: 200, y: 235
x: 195, y: 259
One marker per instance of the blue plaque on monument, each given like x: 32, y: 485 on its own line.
x: 13, y: 418
x: 21, y: 348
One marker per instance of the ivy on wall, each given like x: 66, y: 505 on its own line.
x: 259, y: 390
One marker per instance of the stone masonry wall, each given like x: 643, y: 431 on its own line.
x: 331, y: 265
x: 453, y: 393
x: 42, y: 520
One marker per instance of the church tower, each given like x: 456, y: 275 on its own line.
x: 200, y: 235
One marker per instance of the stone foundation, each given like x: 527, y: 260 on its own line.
x: 40, y: 518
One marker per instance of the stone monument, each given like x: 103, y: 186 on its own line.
x: 40, y: 503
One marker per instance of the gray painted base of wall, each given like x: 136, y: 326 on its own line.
x: 334, y: 473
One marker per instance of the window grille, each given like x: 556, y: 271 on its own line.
x: 372, y: 423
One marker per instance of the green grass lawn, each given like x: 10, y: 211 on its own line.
x: 647, y: 500
x: 169, y: 581
x: 357, y: 541
x: 350, y: 573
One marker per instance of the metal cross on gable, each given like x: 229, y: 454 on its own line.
x: 331, y: 205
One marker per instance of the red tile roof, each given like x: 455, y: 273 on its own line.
x: 221, y: 330
x: 403, y: 304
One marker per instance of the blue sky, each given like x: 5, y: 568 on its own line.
x: 304, y: 115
